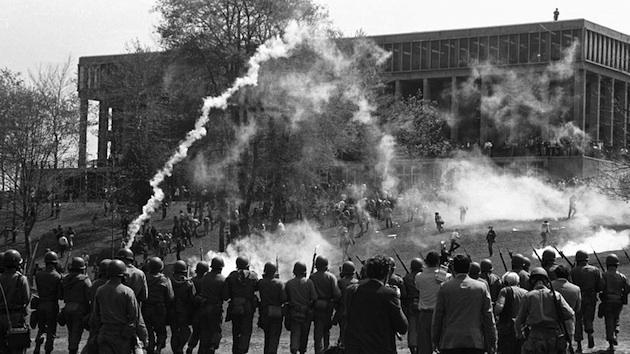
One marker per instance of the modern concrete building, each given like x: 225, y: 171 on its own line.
x: 440, y: 64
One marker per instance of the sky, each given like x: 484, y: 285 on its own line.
x: 37, y: 33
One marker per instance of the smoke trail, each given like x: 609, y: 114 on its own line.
x: 273, y: 48
x: 601, y: 240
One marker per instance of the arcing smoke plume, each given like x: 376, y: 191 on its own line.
x: 273, y: 48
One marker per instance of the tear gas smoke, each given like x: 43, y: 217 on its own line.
x: 295, y: 244
x: 386, y: 153
x: 601, y: 240
x: 273, y: 48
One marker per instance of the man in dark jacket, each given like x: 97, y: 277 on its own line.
x: 154, y: 307
x: 50, y: 292
x: 240, y: 288
x: 180, y: 309
x: 76, y: 295
x: 374, y: 312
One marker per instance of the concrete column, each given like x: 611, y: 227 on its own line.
x: 426, y: 94
x: 103, y: 136
x: 83, y: 123
x: 619, y: 113
x: 483, y: 123
x: 579, y: 92
x: 597, y: 104
x: 454, y: 110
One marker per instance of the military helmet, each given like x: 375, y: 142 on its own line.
x: 12, y: 259
x: 548, y: 255
x: 155, y: 265
x: 116, y: 268
x: 270, y: 268
x: 217, y: 263
x: 202, y: 268
x: 242, y: 262
x: 581, y: 255
x: 526, y: 263
x: 125, y: 254
x: 321, y: 262
x: 486, y: 265
x: 611, y: 260
x: 51, y: 257
x: 77, y: 264
x: 538, y: 272
x: 102, y: 266
x: 348, y: 268
x: 180, y: 267
x: 299, y: 268
x: 474, y: 269
x: 416, y: 265
x: 518, y: 260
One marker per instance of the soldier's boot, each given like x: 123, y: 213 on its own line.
x: 579, y: 347
x: 413, y: 350
x: 189, y: 350
x: 38, y: 344
x: 591, y: 340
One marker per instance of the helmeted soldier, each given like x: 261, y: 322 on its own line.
x: 272, y: 299
x: 549, y: 263
x: 200, y: 270
x: 346, y: 278
x: 518, y: 262
x: 328, y: 294
x: 15, y: 298
x: 240, y: 288
x: 50, y: 291
x: 154, y: 307
x: 590, y: 281
x: 493, y: 280
x: 211, y: 307
x: 92, y: 345
x: 614, y: 295
x: 136, y: 279
x: 410, y: 303
x: 539, y: 310
x: 180, y: 309
x: 76, y: 296
x: 301, y: 295
x: 116, y: 313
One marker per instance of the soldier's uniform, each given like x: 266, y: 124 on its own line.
x: 240, y: 288
x: 211, y: 308
x: 590, y: 281
x: 272, y: 299
x: 116, y: 314
x: 180, y: 309
x: 76, y: 296
x: 301, y: 295
x: 50, y: 291
x: 201, y: 269
x: 614, y: 296
x: 154, y: 307
x: 493, y: 280
x: 328, y: 294
x: 16, y: 290
x: 410, y: 304
x: 92, y: 346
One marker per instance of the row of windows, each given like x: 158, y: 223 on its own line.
x: 463, y: 52
x: 607, y: 51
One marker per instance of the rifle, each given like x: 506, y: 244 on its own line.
x: 466, y: 252
x: 347, y: 255
x: 360, y: 260
x: 510, y: 252
x: 563, y: 256
x: 314, y: 257
x: 535, y: 252
x: 201, y: 253
x: 626, y: 253
x: 277, y: 275
x: 400, y: 260
x: 598, y: 260
x: 502, y: 259
x: 563, y: 325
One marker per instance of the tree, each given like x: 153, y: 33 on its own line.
x: 418, y: 127
x: 27, y: 148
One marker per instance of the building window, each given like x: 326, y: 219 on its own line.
x: 426, y: 55
x: 555, y: 46
x: 513, y: 54
x: 483, y: 49
x: 81, y: 77
x: 534, y: 47
x: 463, y: 52
x: 504, y: 45
x: 577, y: 37
x: 396, y: 57
x: 474, y: 50
x: 416, y: 51
x: 493, y: 50
x: 388, y: 64
x: 544, y: 46
x: 452, y: 61
x: 435, y: 54
x: 444, y: 53
x: 406, y: 56
x: 523, y: 48
x: 567, y: 39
